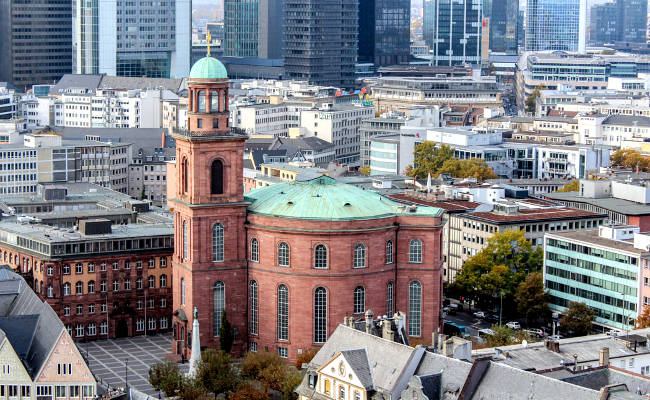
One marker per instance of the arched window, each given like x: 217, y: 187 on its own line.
x: 415, y: 308
x: 66, y: 289
x: 255, y: 251
x: 389, y: 299
x: 359, y: 300
x: 201, y: 101
x: 327, y: 386
x: 185, y: 241
x: 216, y: 177
x: 415, y: 251
x: 163, y: 281
x: 320, y: 315
x: 389, y: 252
x: 184, y: 175
x: 219, y: 304
x: 254, y: 307
x: 341, y: 393
x: 50, y: 291
x: 320, y: 256
x: 79, y: 288
x: 283, y: 254
x: 182, y: 291
x: 283, y: 312
x: 152, y: 282
x: 359, y: 256
x: 214, y: 101
x: 217, y: 242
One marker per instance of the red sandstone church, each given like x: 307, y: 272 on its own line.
x: 287, y: 262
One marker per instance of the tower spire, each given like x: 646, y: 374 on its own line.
x: 208, y: 38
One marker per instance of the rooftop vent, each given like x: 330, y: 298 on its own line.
x: 97, y: 226
x: 347, y: 204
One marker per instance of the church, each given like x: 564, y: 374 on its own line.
x: 286, y: 262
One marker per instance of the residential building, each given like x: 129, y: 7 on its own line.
x: 316, y: 50
x: 384, y: 32
x: 556, y: 25
x: 39, y: 356
x: 456, y: 31
x: 576, y: 161
x: 502, y: 16
x: 131, y: 39
x: 606, y: 269
x: 89, y: 258
x: 35, y: 41
x: 261, y: 240
x: 253, y: 29
x: 274, y: 118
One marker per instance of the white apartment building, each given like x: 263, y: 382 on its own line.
x: 7, y: 103
x: 621, y: 131
x: 338, y: 124
x: 570, y: 161
x: 266, y: 118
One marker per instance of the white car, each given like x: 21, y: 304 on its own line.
x: 513, y: 325
x: 613, y: 332
x: 480, y: 314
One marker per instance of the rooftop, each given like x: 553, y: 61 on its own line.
x: 591, y: 236
x: 447, y: 205
x: 533, y: 215
x: 610, y: 203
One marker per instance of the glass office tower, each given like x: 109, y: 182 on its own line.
x: 556, y: 25
x: 253, y: 28
x: 384, y: 31
x: 503, y: 15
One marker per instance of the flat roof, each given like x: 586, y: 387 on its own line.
x: 591, y: 236
x: 533, y: 215
x: 622, y: 206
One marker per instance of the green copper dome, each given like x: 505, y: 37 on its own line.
x: 208, y: 68
x: 324, y: 198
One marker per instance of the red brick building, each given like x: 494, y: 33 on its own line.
x: 289, y: 261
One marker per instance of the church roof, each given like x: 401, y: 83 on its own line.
x: 208, y: 68
x: 324, y: 198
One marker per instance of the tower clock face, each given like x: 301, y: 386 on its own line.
x: 341, y: 369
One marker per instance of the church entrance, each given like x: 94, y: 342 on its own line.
x: 122, y: 329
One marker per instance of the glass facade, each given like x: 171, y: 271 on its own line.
x: 384, y: 32
x: 553, y: 25
x: 240, y: 28
x: 503, y: 16
x: 605, y: 280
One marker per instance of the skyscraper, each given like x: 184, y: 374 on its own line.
x: 35, y: 41
x: 253, y: 28
x: 453, y: 29
x: 132, y: 38
x: 603, y: 24
x: 384, y: 31
x: 502, y: 15
x: 321, y: 41
x: 632, y: 20
x: 556, y: 25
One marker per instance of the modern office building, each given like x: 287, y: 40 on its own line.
x: 35, y: 41
x: 321, y: 50
x: 632, y: 20
x: 556, y: 25
x: 454, y: 31
x: 253, y: 28
x: 502, y: 16
x: 603, y: 24
x: 384, y: 32
x: 130, y: 38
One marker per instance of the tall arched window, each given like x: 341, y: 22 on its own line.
x: 217, y: 242
x: 214, y: 101
x: 389, y: 299
x: 201, y: 101
x: 389, y: 252
x: 359, y: 300
x: 283, y: 312
x: 163, y: 281
x: 216, y: 177
x: 320, y: 256
x: 182, y: 291
x: 184, y: 175
x: 185, y: 241
x: 255, y: 251
x: 359, y: 256
x: 254, y: 307
x: 320, y: 315
x: 219, y: 304
x: 66, y: 289
x: 415, y: 308
x: 283, y: 254
x: 415, y: 251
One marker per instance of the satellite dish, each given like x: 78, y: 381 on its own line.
x: 524, y: 343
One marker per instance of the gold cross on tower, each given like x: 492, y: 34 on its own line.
x: 208, y: 38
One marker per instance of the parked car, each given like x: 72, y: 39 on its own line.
x: 483, y: 333
x: 613, y: 332
x: 536, y: 332
x: 446, y: 302
x: 493, y: 317
x: 513, y: 325
x: 445, y: 310
x: 480, y: 314
x: 453, y: 308
x: 555, y: 337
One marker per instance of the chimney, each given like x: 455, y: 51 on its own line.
x: 387, y: 331
x: 163, y: 139
x: 369, y: 316
x: 348, y: 321
x: 603, y: 358
x: 448, y: 348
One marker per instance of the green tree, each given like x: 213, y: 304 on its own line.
x: 472, y: 168
x: 193, y: 390
x: 572, y: 186
x: 290, y: 383
x: 226, y: 333
x: 166, y: 377
x: 503, y: 336
x: 577, y: 319
x: 255, y: 362
x: 530, y: 101
x: 531, y: 298
x: 428, y: 158
x: 215, y: 372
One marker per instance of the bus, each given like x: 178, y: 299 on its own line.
x: 453, y: 329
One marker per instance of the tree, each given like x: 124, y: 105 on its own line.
x: 226, y: 334
x: 246, y: 391
x: 166, y: 377
x: 643, y: 320
x: 215, y: 372
x: 271, y: 372
x: 365, y: 170
x: 572, y: 186
x: 531, y: 298
x: 577, y: 319
x: 629, y: 158
x: 305, y: 357
x: 502, y: 336
x: 193, y: 390
x: 472, y: 168
x: 290, y: 383
x: 530, y: 101
x: 428, y: 158
x: 255, y: 362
